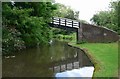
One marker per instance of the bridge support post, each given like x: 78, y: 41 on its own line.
x: 79, y: 33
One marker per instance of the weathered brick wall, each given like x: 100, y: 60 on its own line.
x: 93, y: 33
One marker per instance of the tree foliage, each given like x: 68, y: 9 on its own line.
x: 109, y: 18
x: 66, y: 12
x: 26, y: 24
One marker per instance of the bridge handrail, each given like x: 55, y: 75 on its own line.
x: 65, y: 18
x: 65, y: 22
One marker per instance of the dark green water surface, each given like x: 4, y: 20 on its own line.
x: 44, y: 61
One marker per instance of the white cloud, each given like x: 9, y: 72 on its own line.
x: 87, y: 8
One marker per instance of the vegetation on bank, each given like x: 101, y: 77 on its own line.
x: 67, y: 38
x: 25, y: 24
x: 104, y: 56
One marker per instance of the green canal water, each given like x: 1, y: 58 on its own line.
x: 44, y: 61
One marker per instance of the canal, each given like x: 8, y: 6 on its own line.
x: 45, y: 61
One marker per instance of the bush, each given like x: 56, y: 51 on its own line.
x: 82, y: 42
x: 11, y: 41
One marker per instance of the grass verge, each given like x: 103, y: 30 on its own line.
x: 104, y: 56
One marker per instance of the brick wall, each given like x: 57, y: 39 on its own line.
x: 93, y: 33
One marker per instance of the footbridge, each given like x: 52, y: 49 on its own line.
x: 86, y: 32
x: 67, y: 24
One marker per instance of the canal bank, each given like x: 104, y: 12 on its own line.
x: 82, y: 72
x: 93, y: 60
x: 104, y: 57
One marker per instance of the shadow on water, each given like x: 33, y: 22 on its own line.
x: 44, y: 61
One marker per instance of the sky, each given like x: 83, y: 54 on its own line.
x: 87, y: 8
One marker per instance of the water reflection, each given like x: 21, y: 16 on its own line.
x: 78, y: 60
x: 44, y: 61
x: 81, y: 73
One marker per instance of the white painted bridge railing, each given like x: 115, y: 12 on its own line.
x: 65, y: 22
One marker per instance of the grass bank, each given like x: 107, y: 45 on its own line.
x: 104, y: 56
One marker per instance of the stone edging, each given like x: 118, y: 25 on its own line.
x: 92, y: 59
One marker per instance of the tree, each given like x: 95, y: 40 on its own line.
x: 25, y: 24
x: 118, y: 17
x: 66, y: 12
x: 109, y: 18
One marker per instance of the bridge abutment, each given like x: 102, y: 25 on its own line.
x: 79, y: 33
